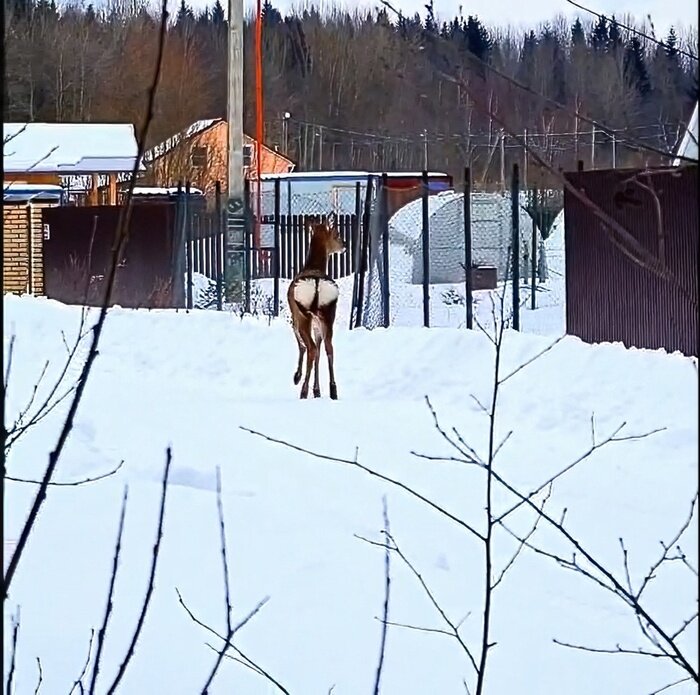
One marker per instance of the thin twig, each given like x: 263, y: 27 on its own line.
x: 454, y: 631
x: 521, y: 543
x: 616, y: 650
x: 224, y: 560
x: 151, y: 579
x: 72, y: 483
x: 387, y: 588
x: 41, y: 676
x: 227, y: 643
x: 670, y: 685
x: 15, y: 634
x: 108, y: 609
x: 356, y: 463
x: 252, y: 665
x: 533, y: 358
x: 79, y: 681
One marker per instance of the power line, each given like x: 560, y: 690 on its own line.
x: 631, y: 29
x: 633, y: 143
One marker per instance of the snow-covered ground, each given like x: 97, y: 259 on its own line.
x: 191, y: 380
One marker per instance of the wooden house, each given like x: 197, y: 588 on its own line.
x: 199, y: 154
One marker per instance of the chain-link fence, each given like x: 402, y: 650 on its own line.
x: 418, y: 253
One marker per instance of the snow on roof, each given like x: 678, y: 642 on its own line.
x: 161, y: 190
x: 689, y: 143
x: 69, y: 148
x: 167, y: 145
x: 347, y: 174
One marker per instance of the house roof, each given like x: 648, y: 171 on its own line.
x: 689, y: 143
x: 69, y: 148
x: 197, y: 127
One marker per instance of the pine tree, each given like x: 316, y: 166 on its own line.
x: 635, y: 66
x: 578, y: 37
x: 271, y: 15
x: 599, y: 35
x: 217, y: 13
x: 477, y: 38
x: 614, y: 38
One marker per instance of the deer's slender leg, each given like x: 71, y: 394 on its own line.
x: 328, y: 344
x: 318, y: 337
x: 302, y: 350
x: 307, y: 337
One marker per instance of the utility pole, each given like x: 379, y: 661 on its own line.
x: 235, y: 208
x: 593, y: 147
x: 320, y: 148
x: 425, y: 149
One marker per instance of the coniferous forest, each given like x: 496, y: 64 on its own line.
x: 369, y: 90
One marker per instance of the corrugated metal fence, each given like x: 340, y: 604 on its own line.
x: 609, y: 297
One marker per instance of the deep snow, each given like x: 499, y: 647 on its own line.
x: 191, y: 379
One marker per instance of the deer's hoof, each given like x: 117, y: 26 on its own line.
x: 317, y: 393
x: 334, y: 392
x: 297, y: 378
x: 304, y: 394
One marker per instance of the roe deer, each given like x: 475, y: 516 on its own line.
x: 313, y: 298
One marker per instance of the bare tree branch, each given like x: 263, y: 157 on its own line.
x: 121, y: 235
x: 224, y: 560
x: 151, y: 579
x: 374, y: 473
x: 387, y: 588
x: 79, y: 681
x: 41, y: 676
x: 72, y: 483
x: 101, y: 634
x: 11, y: 672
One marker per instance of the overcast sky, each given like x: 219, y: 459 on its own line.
x: 526, y: 13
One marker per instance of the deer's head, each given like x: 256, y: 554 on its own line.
x: 328, y: 235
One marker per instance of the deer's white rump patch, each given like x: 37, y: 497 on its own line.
x: 305, y: 292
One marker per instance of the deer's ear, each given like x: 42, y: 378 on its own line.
x: 331, y: 219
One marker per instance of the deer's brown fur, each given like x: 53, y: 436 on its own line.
x: 313, y: 298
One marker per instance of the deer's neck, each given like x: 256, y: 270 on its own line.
x: 317, y: 259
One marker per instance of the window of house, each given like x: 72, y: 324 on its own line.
x: 247, y: 155
x: 199, y: 157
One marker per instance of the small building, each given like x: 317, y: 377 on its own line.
x: 86, y: 159
x: 199, y: 154
x: 491, y: 233
x: 23, y: 238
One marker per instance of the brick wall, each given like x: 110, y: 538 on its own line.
x: 22, y: 253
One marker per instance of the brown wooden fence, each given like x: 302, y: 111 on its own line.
x: 609, y: 297
x: 294, y: 239
x: 78, y: 252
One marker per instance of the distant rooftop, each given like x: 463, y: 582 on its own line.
x: 69, y: 148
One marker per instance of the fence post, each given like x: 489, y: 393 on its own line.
x: 364, y: 250
x: 179, y: 244
x: 386, y: 292
x: 467, y: 202
x: 515, y: 244
x: 535, y: 226
x: 246, y: 244
x: 188, y: 245
x: 356, y: 251
x: 276, y: 260
x: 425, y: 239
x: 218, y: 248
